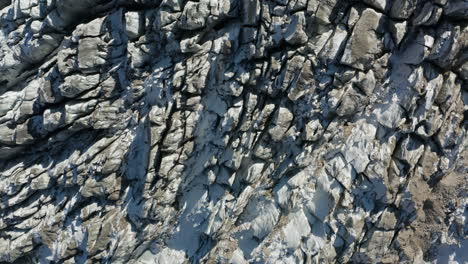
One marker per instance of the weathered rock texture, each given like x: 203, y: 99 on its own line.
x: 233, y: 131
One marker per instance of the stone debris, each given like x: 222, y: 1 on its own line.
x: 233, y: 131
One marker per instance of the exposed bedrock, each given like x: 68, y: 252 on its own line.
x: 233, y: 131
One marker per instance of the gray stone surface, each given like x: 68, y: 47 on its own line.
x: 233, y: 131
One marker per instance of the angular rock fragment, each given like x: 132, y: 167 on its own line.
x: 194, y: 15
x: 398, y: 31
x: 403, y: 9
x: 456, y: 9
x: 281, y: 123
x: 89, y: 55
x: 76, y: 84
x: 380, y: 5
x: 364, y: 45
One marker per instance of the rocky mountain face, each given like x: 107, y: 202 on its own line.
x: 233, y: 131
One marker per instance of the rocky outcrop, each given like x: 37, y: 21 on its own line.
x: 233, y: 131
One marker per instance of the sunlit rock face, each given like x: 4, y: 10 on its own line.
x: 233, y: 131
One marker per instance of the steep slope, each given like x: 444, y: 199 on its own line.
x: 233, y: 131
